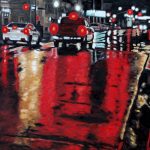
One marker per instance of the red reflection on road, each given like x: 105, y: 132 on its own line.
x: 48, y: 92
x: 66, y: 103
x: 8, y: 100
x: 128, y: 36
x: 116, y: 95
x: 67, y: 109
x: 65, y: 92
x: 4, y: 66
x: 15, y: 61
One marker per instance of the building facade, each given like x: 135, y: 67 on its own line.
x: 40, y: 11
x: 17, y: 12
x: 45, y: 11
x: 54, y: 13
x: 5, y: 12
x: 106, y: 4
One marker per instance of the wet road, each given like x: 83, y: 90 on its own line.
x: 59, y: 102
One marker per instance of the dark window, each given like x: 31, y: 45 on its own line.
x: 20, y: 25
x: 66, y: 20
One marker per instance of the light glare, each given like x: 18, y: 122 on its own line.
x: 56, y: 3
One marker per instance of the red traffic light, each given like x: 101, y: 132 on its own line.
x: 26, y: 6
x: 130, y: 12
x: 139, y: 14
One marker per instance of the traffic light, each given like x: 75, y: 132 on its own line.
x: 26, y: 6
x: 130, y: 12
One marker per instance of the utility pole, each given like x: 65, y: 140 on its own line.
x: 30, y: 12
x: 0, y: 19
x: 93, y: 4
x: 93, y: 10
x: 102, y: 3
x: 35, y: 3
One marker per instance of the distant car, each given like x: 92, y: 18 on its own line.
x: 21, y: 32
x: 95, y: 26
x: 104, y: 27
x: 72, y: 29
x: 115, y: 27
x: 99, y: 26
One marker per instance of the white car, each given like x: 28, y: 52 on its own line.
x: 21, y: 32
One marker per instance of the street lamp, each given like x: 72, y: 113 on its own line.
x: 125, y: 15
x: 136, y: 9
x: 120, y: 8
x: 133, y: 7
x: 78, y: 7
x: 114, y: 15
x: 108, y: 14
x: 56, y: 4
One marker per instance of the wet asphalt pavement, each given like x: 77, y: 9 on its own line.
x: 64, y: 102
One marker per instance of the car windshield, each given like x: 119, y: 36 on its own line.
x: 66, y: 20
x: 20, y: 25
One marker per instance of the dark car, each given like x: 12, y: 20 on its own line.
x: 72, y: 29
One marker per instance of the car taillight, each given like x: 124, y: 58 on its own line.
x: 53, y: 28
x: 26, y: 31
x: 5, y: 29
x: 82, y: 31
x: 73, y: 15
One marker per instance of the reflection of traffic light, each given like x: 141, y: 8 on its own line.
x: 26, y: 6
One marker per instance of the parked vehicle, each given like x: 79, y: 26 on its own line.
x: 72, y: 29
x: 21, y: 32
